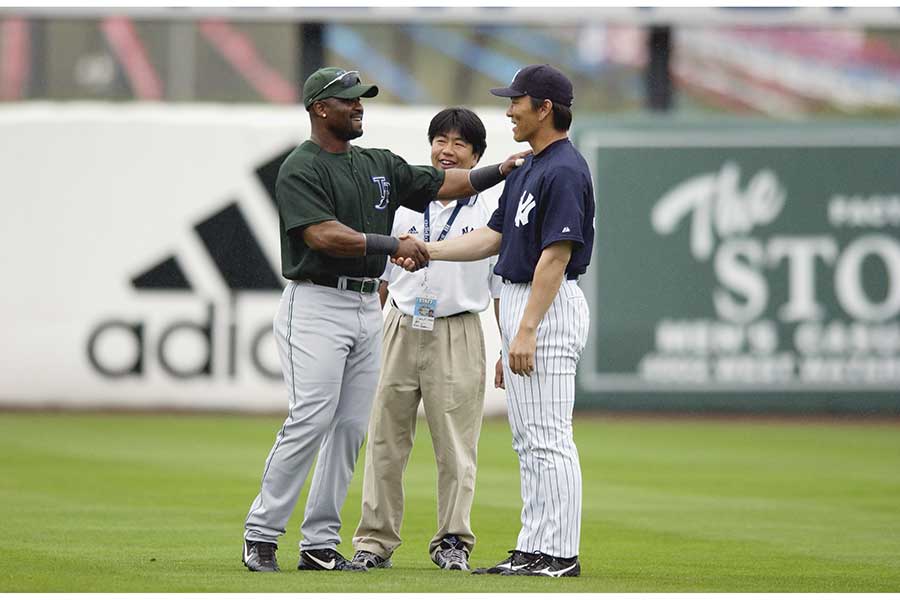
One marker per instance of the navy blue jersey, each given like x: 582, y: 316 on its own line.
x: 548, y: 199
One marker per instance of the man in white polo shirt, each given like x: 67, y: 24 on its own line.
x: 433, y: 351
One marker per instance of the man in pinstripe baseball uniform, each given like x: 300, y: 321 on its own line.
x: 543, y: 229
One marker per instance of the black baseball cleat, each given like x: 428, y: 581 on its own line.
x: 452, y: 554
x: 326, y: 559
x: 370, y: 560
x: 259, y: 556
x: 515, y: 561
x: 545, y: 565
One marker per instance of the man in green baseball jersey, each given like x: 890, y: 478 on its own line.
x: 336, y: 205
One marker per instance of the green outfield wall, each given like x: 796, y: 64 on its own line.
x: 743, y: 266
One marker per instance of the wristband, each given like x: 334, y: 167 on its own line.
x: 381, y: 244
x: 485, y: 177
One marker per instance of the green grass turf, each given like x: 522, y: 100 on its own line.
x: 94, y: 503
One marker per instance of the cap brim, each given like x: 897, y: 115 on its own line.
x: 360, y: 90
x: 507, y: 92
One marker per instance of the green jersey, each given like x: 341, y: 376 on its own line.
x: 361, y: 188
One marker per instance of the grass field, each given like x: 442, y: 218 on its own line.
x: 94, y: 503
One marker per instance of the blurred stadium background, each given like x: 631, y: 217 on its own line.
x: 774, y: 62
x: 747, y: 170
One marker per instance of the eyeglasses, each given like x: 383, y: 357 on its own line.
x: 344, y: 79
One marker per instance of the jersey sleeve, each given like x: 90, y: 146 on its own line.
x: 302, y: 200
x: 563, y: 195
x: 416, y: 186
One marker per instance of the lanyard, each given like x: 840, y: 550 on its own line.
x: 446, y: 229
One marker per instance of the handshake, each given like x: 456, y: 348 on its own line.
x: 412, y: 253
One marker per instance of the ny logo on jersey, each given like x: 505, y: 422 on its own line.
x: 525, y: 207
x: 384, y: 186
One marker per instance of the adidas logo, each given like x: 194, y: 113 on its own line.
x: 566, y: 229
x: 232, y: 246
x: 239, y: 259
x: 413, y: 230
x: 466, y: 230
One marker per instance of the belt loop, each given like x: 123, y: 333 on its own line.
x: 342, y: 283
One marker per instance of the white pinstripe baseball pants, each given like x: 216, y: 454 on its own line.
x: 540, y: 416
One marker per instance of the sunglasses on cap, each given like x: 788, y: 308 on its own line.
x: 347, y: 80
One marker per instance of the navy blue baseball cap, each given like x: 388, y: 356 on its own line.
x: 539, y: 81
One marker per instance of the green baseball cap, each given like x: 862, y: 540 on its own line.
x: 333, y: 82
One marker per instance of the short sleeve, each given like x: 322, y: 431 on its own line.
x: 496, y: 220
x: 415, y: 186
x: 302, y: 200
x: 563, y: 196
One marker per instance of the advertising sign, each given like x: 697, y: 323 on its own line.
x: 141, y: 251
x: 744, y: 267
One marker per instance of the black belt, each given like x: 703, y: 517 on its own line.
x: 354, y: 284
x: 397, y: 308
x: 569, y: 276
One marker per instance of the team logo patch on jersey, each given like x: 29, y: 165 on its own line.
x: 384, y: 186
x: 526, y: 205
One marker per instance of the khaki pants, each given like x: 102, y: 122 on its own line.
x: 446, y: 369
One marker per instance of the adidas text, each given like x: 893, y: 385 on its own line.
x: 149, y: 341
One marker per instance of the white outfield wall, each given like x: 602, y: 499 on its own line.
x: 96, y: 195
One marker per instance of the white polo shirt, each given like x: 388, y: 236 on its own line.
x: 459, y: 286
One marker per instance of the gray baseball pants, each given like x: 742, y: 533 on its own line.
x: 329, y: 343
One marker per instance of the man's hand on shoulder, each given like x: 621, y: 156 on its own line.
x: 514, y: 161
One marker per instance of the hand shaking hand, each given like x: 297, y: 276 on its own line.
x: 411, y: 254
